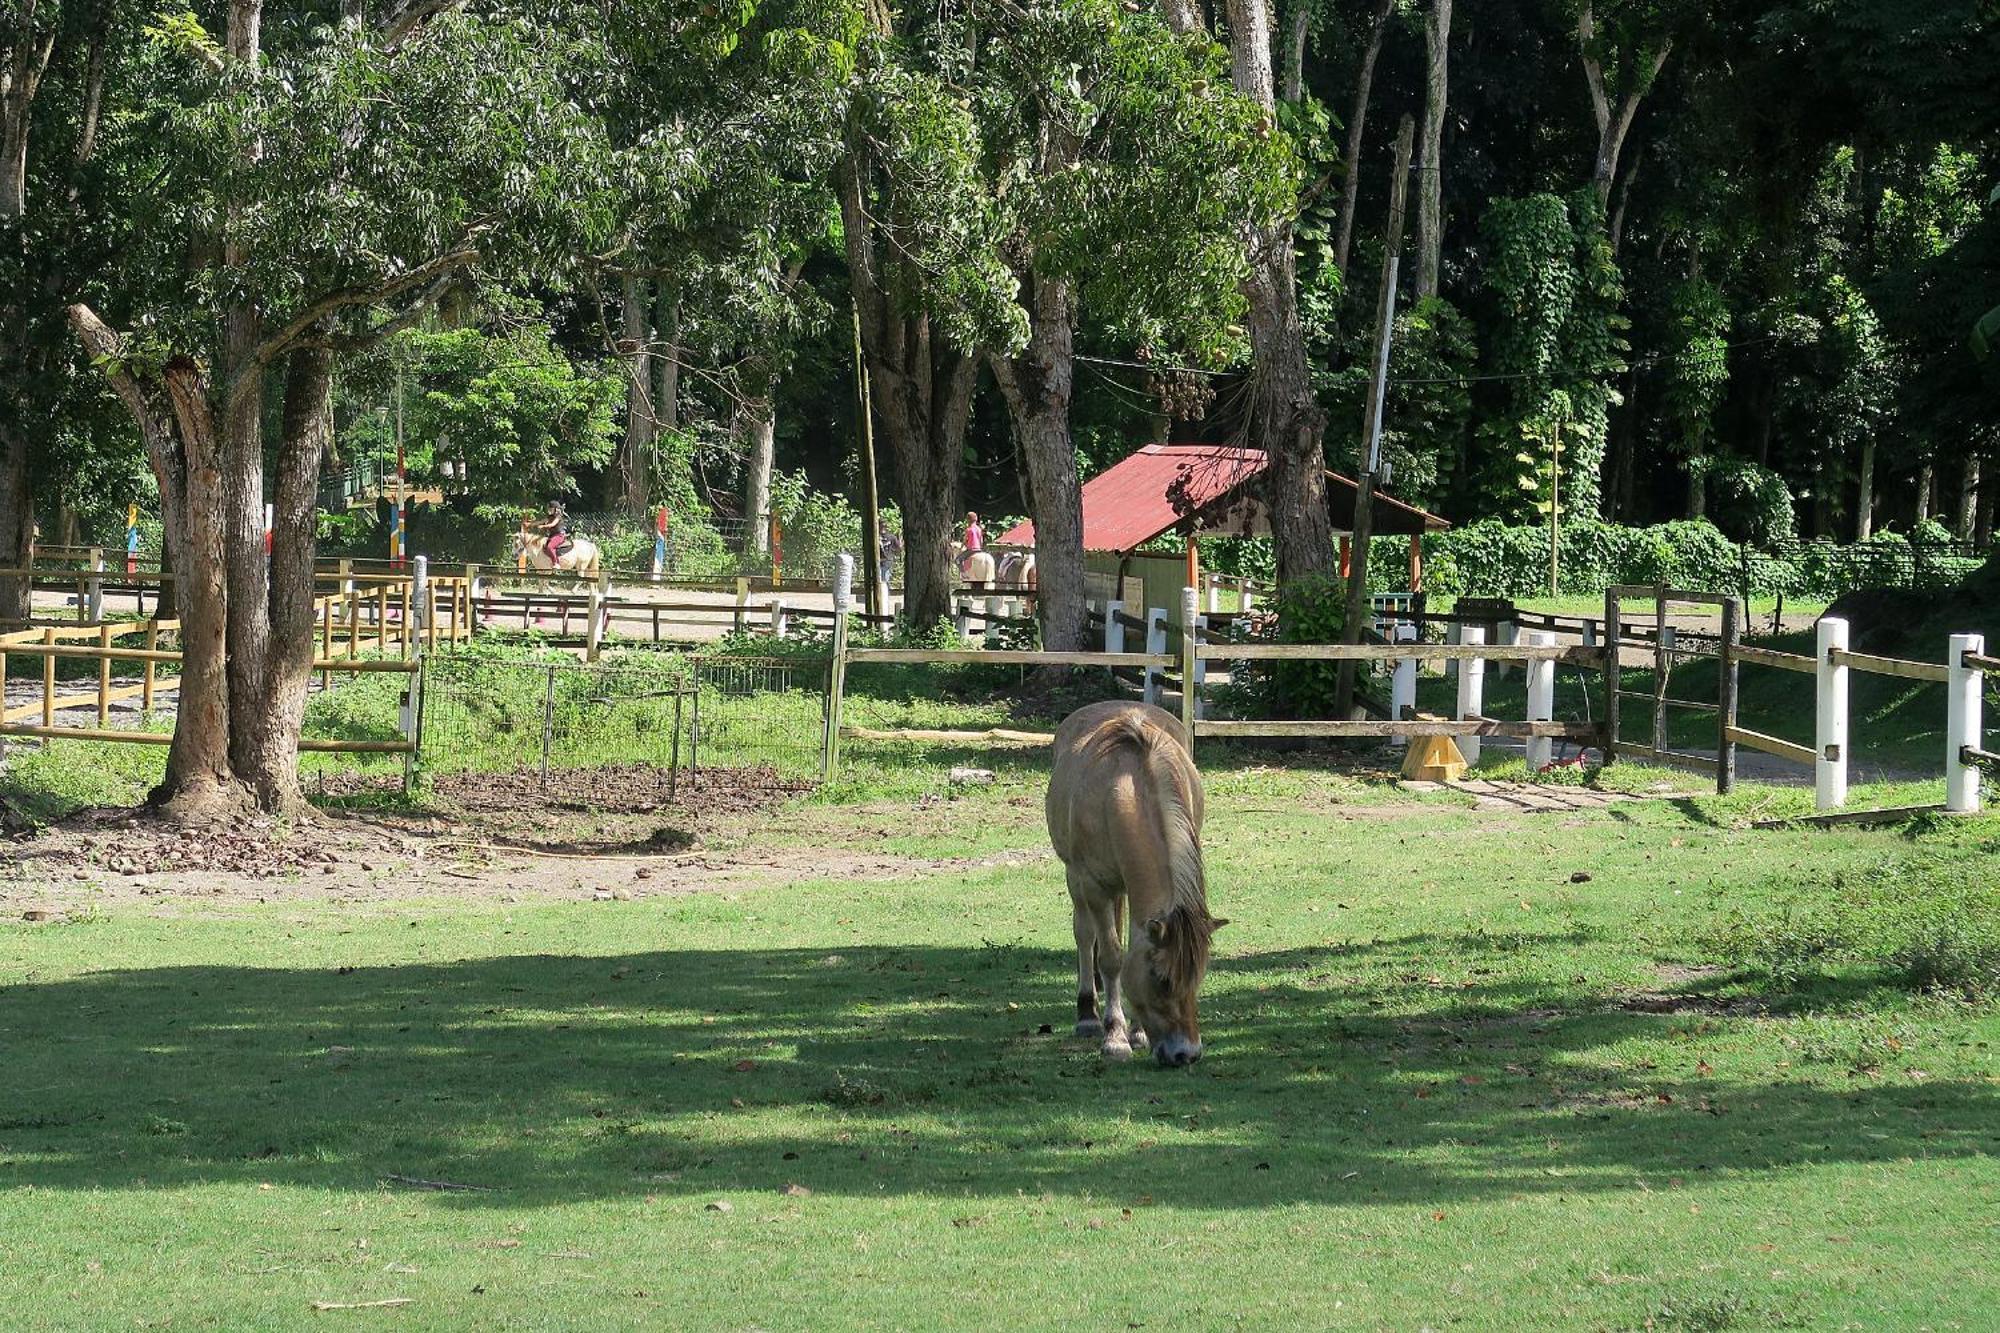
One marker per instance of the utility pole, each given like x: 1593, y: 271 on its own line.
x: 871, y: 498
x: 1371, y: 424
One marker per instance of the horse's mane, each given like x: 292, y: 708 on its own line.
x: 1187, y: 926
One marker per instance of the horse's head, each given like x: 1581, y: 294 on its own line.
x: 1162, y: 980
x: 520, y: 543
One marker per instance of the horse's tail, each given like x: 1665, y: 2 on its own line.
x: 1170, y: 775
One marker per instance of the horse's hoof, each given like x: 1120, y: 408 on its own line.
x: 1117, y: 1050
x: 1089, y: 1027
x: 1139, y: 1039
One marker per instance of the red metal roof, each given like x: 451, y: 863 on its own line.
x: 1135, y: 500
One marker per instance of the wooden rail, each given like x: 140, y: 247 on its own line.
x: 1007, y: 657
x: 1391, y: 652
x: 1892, y: 666
x: 1776, y: 745
x: 1805, y: 666
x: 1479, y: 726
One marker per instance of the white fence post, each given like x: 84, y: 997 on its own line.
x: 1471, y: 689
x: 1509, y: 634
x: 1830, y: 719
x: 1963, y: 725
x: 1403, y: 683
x: 1114, y: 630
x: 1156, y: 643
x: 990, y: 631
x: 593, y: 637
x: 778, y: 618
x: 95, y: 611
x: 1541, y: 699
x: 964, y: 618
x: 1200, y: 670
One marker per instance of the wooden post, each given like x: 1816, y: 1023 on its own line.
x: 146, y: 681
x: 1114, y: 631
x: 104, y: 678
x: 1613, y: 675
x: 382, y: 618
x: 743, y: 600
x: 1663, y: 667
x: 843, y: 596
x: 404, y: 643
x: 1830, y: 717
x: 1189, y: 692
x: 48, y: 680
x: 353, y: 620
x: 1725, y: 748
x: 97, y: 583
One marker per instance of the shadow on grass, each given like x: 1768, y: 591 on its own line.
x: 898, y: 1070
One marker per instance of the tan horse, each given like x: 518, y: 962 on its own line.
x: 581, y: 557
x: 1125, y: 812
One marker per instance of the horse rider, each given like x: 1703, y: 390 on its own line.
x: 554, y: 530
x: 975, y: 540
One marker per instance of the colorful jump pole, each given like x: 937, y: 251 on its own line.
x: 268, y: 513
x: 659, y: 542
x: 131, y: 539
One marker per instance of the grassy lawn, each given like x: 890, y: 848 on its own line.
x: 1731, y: 1079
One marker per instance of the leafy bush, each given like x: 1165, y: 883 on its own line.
x: 1493, y: 559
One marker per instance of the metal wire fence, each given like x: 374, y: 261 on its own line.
x: 668, y: 716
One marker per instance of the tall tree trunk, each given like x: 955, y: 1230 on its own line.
x: 1613, y: 122
x: 1697, y: 483
x: 642, y: 413
x: 1185, y: 16
x: 200, y: 783
x: 1296, y: 33
x: 267, y: 727
x: 1864, y: 502
x: 921, y: 387
x: 1982, y: 535
x: 1286, y: 421
x: 1357, y: 120
x: 17, y: 523
x: 757, y: 424
x: 667, y: 364
x: 1430, y: 153
x: 1926, y: 485
x: 1968, y: 500
x: 1038, y: 384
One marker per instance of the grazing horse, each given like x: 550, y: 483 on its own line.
x: 1125, y: 811
x: 582, y: 556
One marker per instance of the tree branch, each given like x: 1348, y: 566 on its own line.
x: 410, y: 17
x: 430, y: 271
x: 1600, y: 103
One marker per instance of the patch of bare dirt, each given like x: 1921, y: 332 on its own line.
x: 723, y: 831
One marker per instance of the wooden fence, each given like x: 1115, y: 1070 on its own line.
x: 1539, y: 651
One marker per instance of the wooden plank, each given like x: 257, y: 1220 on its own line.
x: 1700, y: 763
x: 1389, y: 652
x: 1973, y: 755
x: 318, y: 746
x: 1691, y: 705
x: 1892, y: 666
x: 1889, y: 815
x: 1784, y: 749
x: 995, y: 736
x: 1805, y: 666
x: 88, y: 734
x: 1410, y: 727
x: 1982, y: 662
x: 1007, y: 657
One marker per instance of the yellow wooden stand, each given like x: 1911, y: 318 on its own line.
x: 1433, y: 759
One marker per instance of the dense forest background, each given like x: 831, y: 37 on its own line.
x: 1729, y: 258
